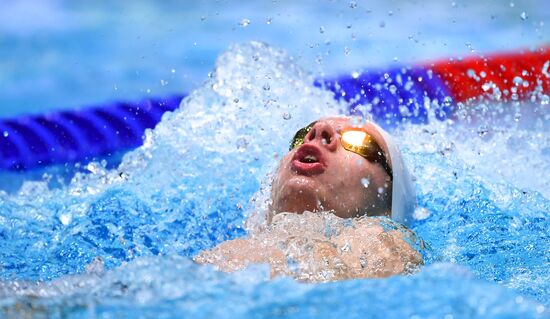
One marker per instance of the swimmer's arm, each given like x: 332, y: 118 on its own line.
x: 237, y: 254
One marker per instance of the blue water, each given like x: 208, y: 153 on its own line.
x: 59, y: 54
x: 116, y: 242
x: 189, y: 187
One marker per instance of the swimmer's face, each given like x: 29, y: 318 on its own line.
x: 320, y: 175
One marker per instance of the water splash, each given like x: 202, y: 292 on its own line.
x: 182, y: 191
x: 483, y: 205
x: 321, y: 247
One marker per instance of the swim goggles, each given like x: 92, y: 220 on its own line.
x: 353, y: 140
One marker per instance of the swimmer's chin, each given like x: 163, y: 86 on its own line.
x: 298, y: 195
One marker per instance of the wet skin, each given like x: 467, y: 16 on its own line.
x: 322, y: 175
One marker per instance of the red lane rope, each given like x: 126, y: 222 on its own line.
x: 504, y: 77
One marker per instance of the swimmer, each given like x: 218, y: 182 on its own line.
x: 334, y: 200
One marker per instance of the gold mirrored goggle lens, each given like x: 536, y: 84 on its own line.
x: 360, y: 142
x: 356, y: 141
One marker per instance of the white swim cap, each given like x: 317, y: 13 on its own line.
x: 403, y: 191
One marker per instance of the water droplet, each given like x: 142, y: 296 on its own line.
x: 382, y: 24
x: 203, y: 18
x: 482, y: 130
x: 353, y: 4
x: 365, y: 181
x: 267, y: 87
x: 346, y: 247
x: 6, y: 134
x: 93, y: 168
x: 540, y: 309
x: 524, y: 16
x: 268, y: 20
x: 404, y: 111
x: 380, y: 190
x: 544, y: 100
x: 447, y: 101
x: 163, y: 82
x: 236, y: 100
x: 65, y: 219
x: 355, y: 74
x: 321, y: 29
x: 393, y: 89
x: 545, y: 68
x: 421, y: 213
x: 347, y: 50
x: 173, y: 70
x: 408, y: 85
x: 244, y: 22
x: 287, y: 116
x: 363, y: 261
x: 242, y: 143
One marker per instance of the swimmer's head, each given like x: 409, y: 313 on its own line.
x: 355, y: 174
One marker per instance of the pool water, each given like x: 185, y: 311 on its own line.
x: 61, y: 54
x: 117, y: 242
x: 128, y: 233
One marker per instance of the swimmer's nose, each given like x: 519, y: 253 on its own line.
x: 323, y: 134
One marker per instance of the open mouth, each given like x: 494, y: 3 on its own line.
x: 308, y: 160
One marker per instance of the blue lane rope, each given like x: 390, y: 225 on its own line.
x: 78, y: 135
x: 394, y: 95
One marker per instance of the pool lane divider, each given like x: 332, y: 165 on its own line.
x: 390, y: 95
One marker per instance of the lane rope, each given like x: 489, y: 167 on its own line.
x: 390, y: 95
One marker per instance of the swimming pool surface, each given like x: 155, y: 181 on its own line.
x: 116, y: 242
